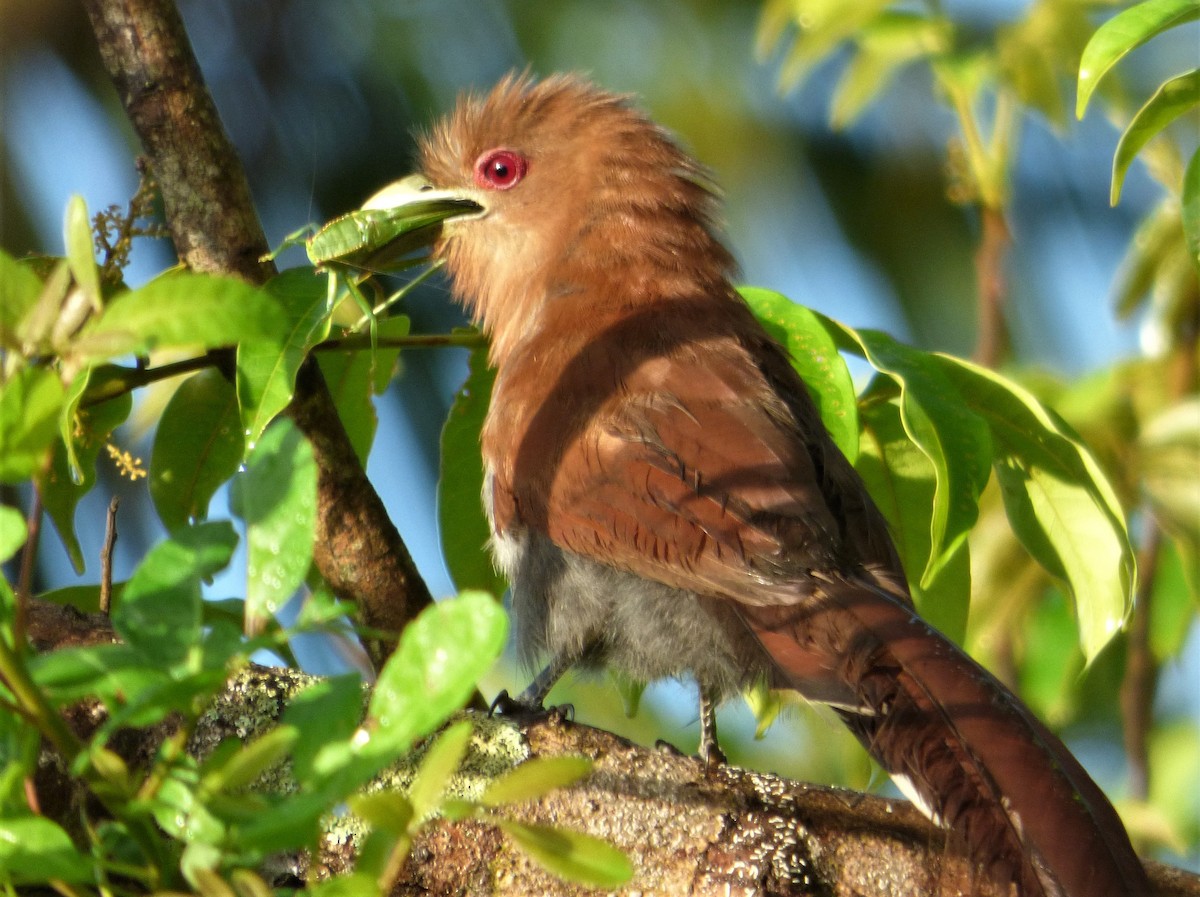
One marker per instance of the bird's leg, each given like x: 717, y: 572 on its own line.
x: 533, y: 698
x: 710, y: 751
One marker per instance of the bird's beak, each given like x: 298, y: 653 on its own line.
x: 415, y: 196
x: 413, y: 214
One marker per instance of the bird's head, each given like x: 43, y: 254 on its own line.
x: 577, y: 194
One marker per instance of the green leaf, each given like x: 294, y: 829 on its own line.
x: 266, y: 369
x: 1170, y: 460
x: 1175, y: 598
x: 1038, y: 50
x: 1191, y: 208
x: 8, y: 613
x: 84, y: 597
x: 356, y: 884
x: 34, y: 850
x: 434, y: 668
x: 90, y: 378
x: 1126, y: 31
x: 159, y: 611
x: 288, y: 823
x: 61, y: 310
x: 1058, y: 501
x: 198, y: 446
x: 1172, y: 99
x: 1149, y: 254
x: 20, y: 747
x: 277, y: 497
x: 440, y: 762
x: 179, y: 812
x: 1175, y: 785
x: 102, y: 671
x: 1050, y: 673
x: 19, y: 292
x: 244, y: 766
x: 630, y: 690
x: 332, y: 706
x: 765, y: 705
x: 81, y: 256
x: 815, y: 357
x: 388, y: 811
x: 886, y: 45
x: 821, y: 29
x: 535, y: 778
x: 901, y: 480
x: 952, y: 436
x: 12, y: 532
x: 571, y: 855
x: 30, y: 403
x: 182, y: 309
x: 461, y: 523
x: 353, y: 377
x: 72, y: 472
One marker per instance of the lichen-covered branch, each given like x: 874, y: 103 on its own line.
x: 688, y: 829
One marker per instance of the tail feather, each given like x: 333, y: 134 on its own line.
x: 982, y: 765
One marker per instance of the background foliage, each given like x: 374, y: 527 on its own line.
x: 918, y: 170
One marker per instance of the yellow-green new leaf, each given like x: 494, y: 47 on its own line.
x: 1170, y: 460
x: 1059, y: 503
x: 1124, y: 32
x: 387, y: 810
x: 438, y: 764
x: 1172, y: 99
x: 13, y: 532
x: 30, y: 404
x: 247, y: 764
x: 80, y: 254
x: 19, y: 292
x: 1191, y: 209
x: 535, y: 778
x: 571, y: 855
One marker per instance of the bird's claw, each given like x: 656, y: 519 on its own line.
x: 506, y: 705
x: 712, y: 756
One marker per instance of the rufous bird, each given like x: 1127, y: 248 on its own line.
x: 664, y: 498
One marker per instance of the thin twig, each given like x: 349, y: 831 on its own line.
x: 361, y: 341
x: 991, y: 344
x: 106, y: 555
x: 121, y: 380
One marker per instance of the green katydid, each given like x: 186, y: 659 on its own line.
x: 376, y: 237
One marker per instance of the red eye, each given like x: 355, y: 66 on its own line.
x: 500, y: 169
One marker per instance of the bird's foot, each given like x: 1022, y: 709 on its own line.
x: 526, y: 705
x: 710, y: 752
x: 712, y: 756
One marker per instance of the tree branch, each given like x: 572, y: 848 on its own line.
x: 688, y: 829
x: 215, y: 228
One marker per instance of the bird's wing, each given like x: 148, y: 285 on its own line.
x: 695, y: 473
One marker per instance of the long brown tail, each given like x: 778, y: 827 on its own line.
x: 984, y: 767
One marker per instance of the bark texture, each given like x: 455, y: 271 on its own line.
x: 215, y: 228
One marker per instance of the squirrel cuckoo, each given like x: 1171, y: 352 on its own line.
x: 664, y: 498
